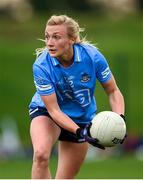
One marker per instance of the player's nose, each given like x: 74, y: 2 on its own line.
x: 50, y: 42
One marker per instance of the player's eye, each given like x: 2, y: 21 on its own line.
x: 46, y: 37
x: 56, y: 37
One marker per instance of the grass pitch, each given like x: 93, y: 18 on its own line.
x: 113, y: 168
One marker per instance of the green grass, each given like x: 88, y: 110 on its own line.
x: 114, y: 168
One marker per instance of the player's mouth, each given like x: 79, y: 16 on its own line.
x: 52, y: 51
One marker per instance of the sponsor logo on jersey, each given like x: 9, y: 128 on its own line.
x: 106, y: 72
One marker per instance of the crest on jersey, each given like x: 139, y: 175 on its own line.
x: 85, y: 77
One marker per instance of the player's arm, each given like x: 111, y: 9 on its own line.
x: 57, y: 115
x: 65, y: 122
x: 116, y: 99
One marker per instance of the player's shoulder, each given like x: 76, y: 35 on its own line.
x: 43, y: 62
x: 88, y: 46
x: 41, y: 59
x: 89, y: 49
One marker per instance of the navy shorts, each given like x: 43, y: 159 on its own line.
x: 65, y: 135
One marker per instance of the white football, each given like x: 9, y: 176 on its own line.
x: 108, y: 127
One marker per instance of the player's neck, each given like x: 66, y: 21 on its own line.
x: 67, y: 59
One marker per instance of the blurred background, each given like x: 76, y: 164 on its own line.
x: 116, y: 27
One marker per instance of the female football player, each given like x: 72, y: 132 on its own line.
x: 65, y: 75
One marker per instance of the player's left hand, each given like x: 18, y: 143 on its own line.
x: 123, y: 116
x: 84, y: 133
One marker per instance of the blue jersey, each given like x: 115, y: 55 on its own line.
x: 74, y: 85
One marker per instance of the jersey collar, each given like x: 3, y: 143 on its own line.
x: 77, y: 53
x: 55, y: 61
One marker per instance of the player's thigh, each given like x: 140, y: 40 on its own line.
x: 71, y: 157
x: 44, y: 133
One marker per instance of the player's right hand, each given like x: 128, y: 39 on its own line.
x: 85, y: 133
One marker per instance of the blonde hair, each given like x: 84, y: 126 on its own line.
x: 73, y: 29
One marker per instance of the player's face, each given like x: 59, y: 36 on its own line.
x: 58, y: 42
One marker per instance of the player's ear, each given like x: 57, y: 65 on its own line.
x: 72, y: 40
